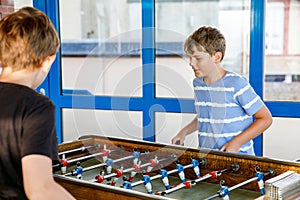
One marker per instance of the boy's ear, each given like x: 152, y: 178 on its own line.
x: 47, y: 63
x: 218, y: 56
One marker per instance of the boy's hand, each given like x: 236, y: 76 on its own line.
x: 178, y: 139
x: 231, y: 147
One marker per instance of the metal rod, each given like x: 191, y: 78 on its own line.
x: 103, y: 164
x: 206, y: 176
x: 239, y: 185
x: 74, y: 150
x: 212, y: 197
x: 151, y: 178
x: 242, y: 183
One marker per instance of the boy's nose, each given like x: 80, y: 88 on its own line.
x: 192, y: 64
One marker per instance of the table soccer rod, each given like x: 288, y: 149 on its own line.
x: 213, y: 174
x: 90, y: 156
x: 75, y: 150
x: 103, y: 164
x: 225, y: 191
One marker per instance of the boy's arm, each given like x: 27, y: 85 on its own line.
x: 188, y: 129
x: 38, y: 179
x: 263, y: 120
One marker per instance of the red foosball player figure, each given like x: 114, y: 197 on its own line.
x: 100, y: 178
x: 105, y: 153
x: 136, y: 169
x: 64, y: 164
x: 119, y: 173
x: 153, y: 162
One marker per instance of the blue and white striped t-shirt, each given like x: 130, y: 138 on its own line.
x: 224, y: 110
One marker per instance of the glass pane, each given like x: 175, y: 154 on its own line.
x: 175, y: 20
x: 167, y: 125
x: 19, y: 3
x: 279, y: 146
x: 125, y: 124
x: 101, y: 43
x: 282, y: 51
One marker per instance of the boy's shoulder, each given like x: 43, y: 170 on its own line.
x: 235, y: 80
x: 235, y: 77
x: 24, y: 94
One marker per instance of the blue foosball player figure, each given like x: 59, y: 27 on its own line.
x: 109, y: 163
x: 165, y: 178
x: 78, y: 171
x: 147, y: 183
x: 136, y: 155
x: 260, y: 180
x: 180, y: 171
x: 126, y: 183
x: 196, y: 164
x: 223, y: 192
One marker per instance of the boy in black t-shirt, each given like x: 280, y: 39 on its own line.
x: 28, y: 46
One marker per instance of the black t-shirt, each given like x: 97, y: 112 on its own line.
x: 27, y: 126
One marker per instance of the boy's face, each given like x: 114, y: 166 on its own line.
x: 201, y: 62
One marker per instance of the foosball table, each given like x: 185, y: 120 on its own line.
x: 96, y: 167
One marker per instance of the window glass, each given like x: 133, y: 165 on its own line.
x: 167, y: 125
x: 125, y: 124
x: 282, y: 51
x: 175, y: 20
x: 18, y: 3
x: 275, y: 143
x: 101, y: 43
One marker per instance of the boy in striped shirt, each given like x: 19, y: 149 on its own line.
x: 229, y: 112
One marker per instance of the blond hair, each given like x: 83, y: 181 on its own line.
x: 27, y: 38
x: 207, y: 39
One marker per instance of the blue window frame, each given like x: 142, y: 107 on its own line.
x: 147, y: 103
x: 257, y: 56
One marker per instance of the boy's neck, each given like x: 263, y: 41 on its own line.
x: 215, y: 76
x: 21, y: 77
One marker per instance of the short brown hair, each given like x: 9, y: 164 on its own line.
x: 27, y: 37
x: 207, y: 39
